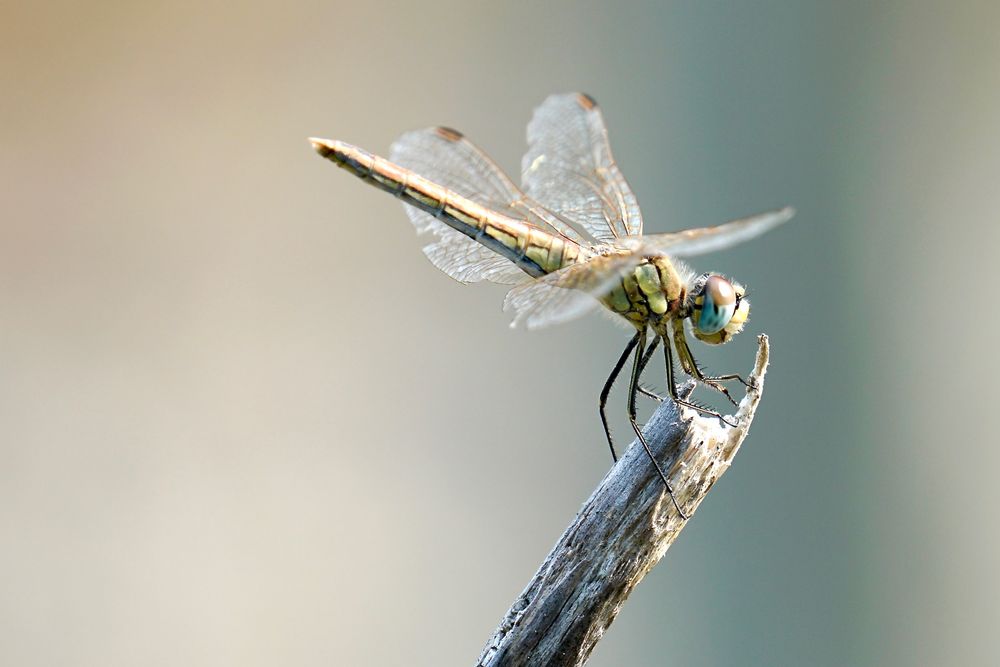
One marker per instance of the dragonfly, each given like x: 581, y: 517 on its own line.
x: 568, y: 241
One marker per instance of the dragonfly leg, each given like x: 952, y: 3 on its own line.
x: 633, y: 390
x: 729, y: 376
x: 672, y: 387
x: 690, y: 366
x: 602, y: 406
x: 642, y: 367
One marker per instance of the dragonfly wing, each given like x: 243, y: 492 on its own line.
x: 569, y: 168
x: 569, y: 292
x: 446, y: 157
x: 466, y: 260
x: 691, y: 242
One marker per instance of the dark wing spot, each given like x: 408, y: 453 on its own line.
x: 586, y: 101
x: 449, y: 134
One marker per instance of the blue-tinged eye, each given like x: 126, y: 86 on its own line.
x: 718, y: 305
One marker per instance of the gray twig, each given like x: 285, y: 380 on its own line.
x: 620, y: 533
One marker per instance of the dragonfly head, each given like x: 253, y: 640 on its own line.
x: 719, y: 309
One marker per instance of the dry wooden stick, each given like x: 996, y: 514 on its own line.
x: 620, y: 533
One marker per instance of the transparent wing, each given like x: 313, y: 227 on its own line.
x: 468, y: 261
x: 569, y: 292
x: 570, y: 169
x: 446, y: 157
x: 691, y: 242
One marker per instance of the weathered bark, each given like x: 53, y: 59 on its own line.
x: 620, y: 533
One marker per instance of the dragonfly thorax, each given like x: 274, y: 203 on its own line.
x: 651, y: 294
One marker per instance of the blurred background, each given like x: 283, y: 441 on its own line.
x: 244, y: 421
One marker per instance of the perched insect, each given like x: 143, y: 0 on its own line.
x: 569, y: 241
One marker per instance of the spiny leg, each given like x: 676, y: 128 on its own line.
x: 647, y: 355
x: 672, y: 388
x: 602, y: 406
x: 729, y: 376
x: 690, y: 366
x: 642, y: 367
x: 633, y: 389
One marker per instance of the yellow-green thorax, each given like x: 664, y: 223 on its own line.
x: 651, y: 295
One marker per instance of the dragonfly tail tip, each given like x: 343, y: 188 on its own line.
x: 321, y: 146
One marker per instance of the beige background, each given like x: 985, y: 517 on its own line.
x: 243, y: 421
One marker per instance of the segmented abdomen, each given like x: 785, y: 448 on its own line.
x: 533, y: 250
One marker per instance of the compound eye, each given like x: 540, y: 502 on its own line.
x: 718, y: 303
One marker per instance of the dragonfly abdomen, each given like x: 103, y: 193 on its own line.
x: 534, y: 251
